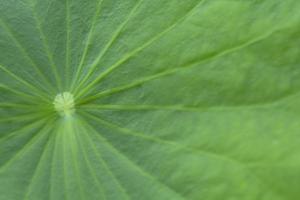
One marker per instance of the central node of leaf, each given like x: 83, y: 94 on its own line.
x: 64, y: 104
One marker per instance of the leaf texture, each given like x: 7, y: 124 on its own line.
x: 149, y: 99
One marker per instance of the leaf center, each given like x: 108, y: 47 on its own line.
x: 64, y: 104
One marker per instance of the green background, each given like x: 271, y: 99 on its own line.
x: 174, y: 99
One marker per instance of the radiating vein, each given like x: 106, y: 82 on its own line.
x: 64, y: 161
x: 46, y: 46
x: 133, y: 164
x: 139, y: 49
x: 183, y: 108
x: 16, y: 105
x: 70, y: 136
x: 19, y: 79
x: 195, y: 63
x: 142, y: 107
x: 88, y: 42
x: 23, y: 129
x: 25, y: 148
x: 110, y: 42
x: 20, y: 93
x: 162, y: 141
x: 145, y: 107
x: 103, y: 162
x: 90, y: 168
x: 247, y: 167
x: 57, y: 138
x: 46, y: 148
x: 24, y: 117
x: 28, y: 58
x: 68, y: 44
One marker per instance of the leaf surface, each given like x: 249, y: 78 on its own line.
x: 140, y: 99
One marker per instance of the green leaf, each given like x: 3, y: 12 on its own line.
x: 149, y: 99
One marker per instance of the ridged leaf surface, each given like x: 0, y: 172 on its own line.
x: 149, y: 99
